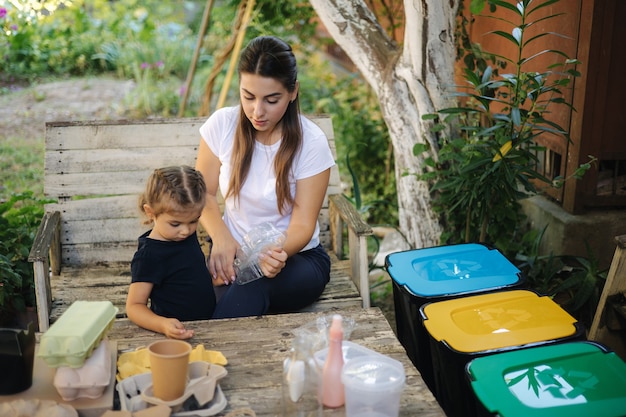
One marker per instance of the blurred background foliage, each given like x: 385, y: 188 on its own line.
x: 152, y: 43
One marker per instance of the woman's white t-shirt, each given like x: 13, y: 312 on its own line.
x: 257, y: 200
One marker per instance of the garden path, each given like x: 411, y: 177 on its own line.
x: 24, y: 111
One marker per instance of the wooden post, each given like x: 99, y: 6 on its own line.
x: 615, y: 285
x: 194, y: 61
x: 235, y: 55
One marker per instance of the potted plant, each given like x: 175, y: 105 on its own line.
x: 489, y: 152
x: 488, y: 143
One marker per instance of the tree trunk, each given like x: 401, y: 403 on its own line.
x: 410, y: 82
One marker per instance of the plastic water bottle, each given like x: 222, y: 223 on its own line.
x: 300, y: 385
x: 333, y: 394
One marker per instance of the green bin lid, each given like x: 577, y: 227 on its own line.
x: 566, y: 379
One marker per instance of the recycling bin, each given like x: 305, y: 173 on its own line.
x: 421, y: 276
x: 463, y: 329
x: 562, y: 380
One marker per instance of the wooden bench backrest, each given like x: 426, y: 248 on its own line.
x: 95, y: 170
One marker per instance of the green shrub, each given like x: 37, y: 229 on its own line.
x: 489, y: 153
x: 19, y: 218
x: 364, y: 151
x: 488, y: 161
x: 575, y: 282
x: 58, y: 42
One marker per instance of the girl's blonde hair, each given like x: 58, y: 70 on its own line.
x: 174, y: 189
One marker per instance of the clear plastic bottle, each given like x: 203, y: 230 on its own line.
x: 333, y: 394
x: 257, y: 240
x: 301, y: 381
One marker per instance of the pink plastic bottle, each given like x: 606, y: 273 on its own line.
x: 333, y: 395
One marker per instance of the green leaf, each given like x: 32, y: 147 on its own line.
x: 506, y: 5
x: 534, y: 22
x: 505, y: 35
x: 456, y: 110
x: 420, y: 148
x: 477, y: 6
x: 541, y: 6
x: 573, y: 73
x: 487, y: 74
x: 534, y: 38
x: 515, y: 116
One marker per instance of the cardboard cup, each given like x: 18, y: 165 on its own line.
x: 169, y: 361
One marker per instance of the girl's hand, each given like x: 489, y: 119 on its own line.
x: 174, y: 329
x: 272, y: 261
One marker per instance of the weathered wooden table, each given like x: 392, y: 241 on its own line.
x: 256, y: 346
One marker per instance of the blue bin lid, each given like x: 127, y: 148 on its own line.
x: 565, y: 379
x: 452, y: 269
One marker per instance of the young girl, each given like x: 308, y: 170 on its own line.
x: 271, y: 164
x: 169, y: 266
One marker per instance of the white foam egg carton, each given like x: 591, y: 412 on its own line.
x: 88, y: 381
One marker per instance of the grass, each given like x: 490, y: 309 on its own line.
x: 21, y: 167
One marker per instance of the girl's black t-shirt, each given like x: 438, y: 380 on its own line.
x: 183, y: 287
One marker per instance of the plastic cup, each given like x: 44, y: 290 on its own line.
x: 373, y: 385
x: 169, y: 362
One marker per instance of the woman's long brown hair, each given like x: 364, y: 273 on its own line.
x: 270, y: 57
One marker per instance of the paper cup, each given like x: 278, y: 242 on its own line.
x: 169, y: 362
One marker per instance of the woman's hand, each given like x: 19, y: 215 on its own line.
x: 272, y: 261
x: 224, y: 246
x: 220, y: 262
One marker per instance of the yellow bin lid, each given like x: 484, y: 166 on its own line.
x: 497, y: 320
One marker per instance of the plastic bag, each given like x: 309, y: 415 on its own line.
x: 257, y: 240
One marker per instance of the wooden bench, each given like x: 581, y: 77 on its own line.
x: 95, y: 170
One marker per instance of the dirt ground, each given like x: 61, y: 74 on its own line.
x: 24, y: 112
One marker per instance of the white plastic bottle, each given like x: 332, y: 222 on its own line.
x: 333, y: 394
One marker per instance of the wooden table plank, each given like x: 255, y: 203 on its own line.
x: 256, y: 346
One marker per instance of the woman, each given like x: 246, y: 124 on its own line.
x: 271, y: 164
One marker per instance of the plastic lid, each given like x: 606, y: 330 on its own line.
x: 72, y: 338
x: 452, y: 269
x: 575, y: 378
x: 373, y: 373
x: 496, y: 320
x: 350, y: 352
